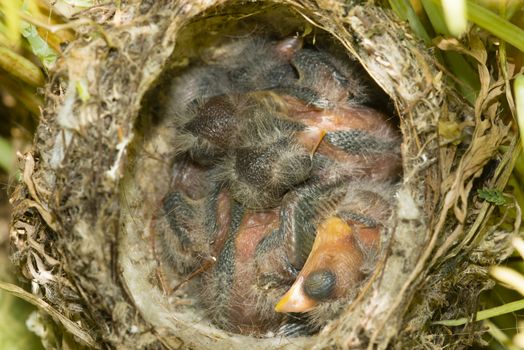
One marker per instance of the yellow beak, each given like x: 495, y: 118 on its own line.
x: 295, y: 300
x: 311, y: 139
x: 331, y: 233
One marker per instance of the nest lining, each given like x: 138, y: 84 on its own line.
x: 73, y: 203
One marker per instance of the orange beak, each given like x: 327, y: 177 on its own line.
x: 311, y: 139
x: 295, y: 300
x: 334, y: 236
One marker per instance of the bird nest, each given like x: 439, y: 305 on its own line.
x: 86, y: 208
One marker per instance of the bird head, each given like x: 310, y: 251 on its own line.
x: 332, y: 268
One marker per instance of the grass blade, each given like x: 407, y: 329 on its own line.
x: 496, y: 25
x: 485, y: 314
x: 405, y: 11
x: 436, y: 17
x: 6, y: 155
x: 518, y: 89
x: 20, y: 67
x: 455, y: 16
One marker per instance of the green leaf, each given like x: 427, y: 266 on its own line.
x: 405, y: 11
x: 20, y: 67
x: 38, y: 45
x: 436, y: 16
x: 6, y: 155
x: 482, y: 17
x: 399, y: 6
x: 518, y: 89
x: 460, y: 67
x: 492, y: 195
x: 496, y: 25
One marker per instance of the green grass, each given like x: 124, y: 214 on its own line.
x: 499, y: 314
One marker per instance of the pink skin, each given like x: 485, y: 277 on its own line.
x: 287, y: 48
x: 243, y: 311
x: 381, y: 166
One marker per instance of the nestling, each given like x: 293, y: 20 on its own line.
x: 345, y: 248
x: 285, y: 176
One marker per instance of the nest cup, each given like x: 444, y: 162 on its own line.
x: 85, y: 210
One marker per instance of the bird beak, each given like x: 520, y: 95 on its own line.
x: 295, y: 300
x: 329, y: 233
x: 311, y: 138
x: 332, y: 234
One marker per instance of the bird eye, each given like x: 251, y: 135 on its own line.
x: 320, y: 285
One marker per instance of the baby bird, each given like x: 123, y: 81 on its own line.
x: 232, y: 293
x: 213, y: 127
x: 326, y: 82
x: 332, y: 269
x: 261, y: 173
x: 256, y: 63
x: 344, y: 250
x: 262, y: 153
x: 195, y: 218
x: 284, y: 176
x: 233, y: 67
x: 359, y: 139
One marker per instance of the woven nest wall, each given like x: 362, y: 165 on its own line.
x: 83, y: 211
